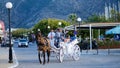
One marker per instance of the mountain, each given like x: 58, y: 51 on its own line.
x: 26, y: 13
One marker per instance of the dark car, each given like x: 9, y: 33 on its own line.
x: 85, y: 44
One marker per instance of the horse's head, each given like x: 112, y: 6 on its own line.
x: 40, y: 39
x: 38, y: 34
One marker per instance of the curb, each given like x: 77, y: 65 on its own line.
x: 16, y: 61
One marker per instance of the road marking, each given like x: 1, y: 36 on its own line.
x: 16, y: 61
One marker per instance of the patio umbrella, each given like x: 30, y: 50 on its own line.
x: 115, y: 30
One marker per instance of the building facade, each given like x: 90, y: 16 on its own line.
x: 2, y: 29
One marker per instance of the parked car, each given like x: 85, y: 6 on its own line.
x: 23, y: 43
x: 5, y: 43
x: 84, y: 45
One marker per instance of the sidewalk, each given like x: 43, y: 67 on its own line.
x: 102, y: 52
x: 4, y: 58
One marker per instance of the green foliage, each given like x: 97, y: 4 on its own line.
x: 118, y: 17
x: 96, y: 18
x: 84, y: 33
x: 115, y: 17
x: 108, y: 42
x: 53, y: 23
x: 19, y: 32
x: 72, y: 18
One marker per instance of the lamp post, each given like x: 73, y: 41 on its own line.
x: 9, y: 6
x: 79, y: 20
x: 38, y: 30
x: 59, y: 23
x: 48, y: 27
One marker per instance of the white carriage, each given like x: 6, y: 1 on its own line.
x: 70, y: 49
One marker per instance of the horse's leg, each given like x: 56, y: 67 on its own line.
x: 44, y: 57
x: 48, y: 55
x: 39, y: 57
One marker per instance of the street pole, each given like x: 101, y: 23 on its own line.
x: 79, y: 20
x: 90, y: 37
x: 10, y: 46
x: 9, y: 6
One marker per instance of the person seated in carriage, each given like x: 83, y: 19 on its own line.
x: 68, y: 44
x: 67, y: 39
x: 51, y: 36
x: 59, y: 37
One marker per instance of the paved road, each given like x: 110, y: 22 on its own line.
x: 27, y: 58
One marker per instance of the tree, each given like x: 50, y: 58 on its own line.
x: 96, y: 18
x: 19, y: 32
x: 72, y: 18
x: 115, y: 16
x: 118, y: 17
x: 53, y: 23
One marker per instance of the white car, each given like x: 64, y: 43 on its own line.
x: 23, y: 43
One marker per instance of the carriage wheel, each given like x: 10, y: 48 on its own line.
x: 76, y: 54
x: 61, y: 55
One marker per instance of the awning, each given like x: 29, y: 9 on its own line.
x: 93, y: 26
x: 115, y: 30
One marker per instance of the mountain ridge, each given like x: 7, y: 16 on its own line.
x: 26, y: 13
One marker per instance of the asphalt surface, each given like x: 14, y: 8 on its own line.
x: 28, y: 58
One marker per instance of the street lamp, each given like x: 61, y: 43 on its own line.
x: 32, y: 31
x: 9, y: 6
x: 48, y: 27
x: 79, y: 20
x: 38, y: 30
x: 59, y: 23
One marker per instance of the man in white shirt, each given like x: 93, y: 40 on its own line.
x: 51, y: 36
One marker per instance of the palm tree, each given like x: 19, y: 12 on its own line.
x: 72, y: 18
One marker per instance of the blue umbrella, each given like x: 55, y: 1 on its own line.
x: 115, y: 30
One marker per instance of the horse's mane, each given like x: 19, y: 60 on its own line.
x: 41, y: 40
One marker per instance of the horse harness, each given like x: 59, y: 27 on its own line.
x: 42, y: 41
